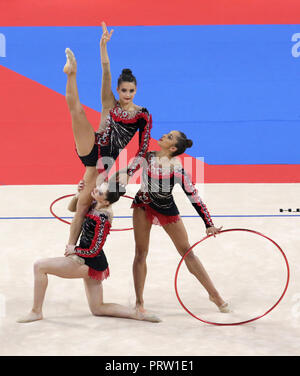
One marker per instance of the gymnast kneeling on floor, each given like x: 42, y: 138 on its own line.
x: 86, y: 261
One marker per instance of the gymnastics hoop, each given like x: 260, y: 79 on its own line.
x: 241, y: 322
x: 63, y: 220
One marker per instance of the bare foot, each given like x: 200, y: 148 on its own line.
x: 147, y: 316
x: 224, y: 308
x: 140, y: 307
x: 32, y: 316
x: 71, y: 64
x: 219, y: 302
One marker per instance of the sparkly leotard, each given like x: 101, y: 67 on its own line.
x: 155, y: 195
x: 95, y: 228
x: 121, y: 126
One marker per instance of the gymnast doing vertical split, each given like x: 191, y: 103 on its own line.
x: 120, y: 120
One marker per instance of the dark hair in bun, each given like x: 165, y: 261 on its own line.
x: 114, y: 191
x: 126, y: 76
x: 182, y: 144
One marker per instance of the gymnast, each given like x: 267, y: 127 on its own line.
x: 87, y: 260
x: 120, y: 120
x: 154, y: 204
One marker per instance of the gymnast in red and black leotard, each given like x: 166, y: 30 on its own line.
x: 155, y: 195
x: 120, y: 120
x: 95, y: 229
x: 86, y: 261
x: 121, y: 126
x: 154, y: 204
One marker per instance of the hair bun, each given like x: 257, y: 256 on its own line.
x: 126, y: 72
x: 126, y: 76
x: 189, y: 143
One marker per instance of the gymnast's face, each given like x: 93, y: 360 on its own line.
x: 126, y: 91
x: 99, y: 194
x: 169, y: 140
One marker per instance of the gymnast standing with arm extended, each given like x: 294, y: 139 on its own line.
x: 120, y: 120
x: 154, y: 204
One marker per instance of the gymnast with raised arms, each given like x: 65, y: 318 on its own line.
x: 120, y: 120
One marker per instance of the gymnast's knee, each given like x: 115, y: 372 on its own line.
x: 97, y: 310
x: 190, y: 257
x: 75, y: 107
x: 39, y: 266
x: 140, y: 254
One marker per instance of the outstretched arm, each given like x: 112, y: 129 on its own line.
x: 191, y: 191
x: 107, y: 96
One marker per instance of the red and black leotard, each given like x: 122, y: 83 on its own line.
x: 95, y: 229
x: 121, y: 126
x: 155, y: 195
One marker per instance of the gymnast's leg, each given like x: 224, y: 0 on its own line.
x: 65, y: 267
x: 84, y: 136
x: 83, y: 204
x: 83, y: 131
x: 178, y: 235
x: 62, y: 267
x: 142, y: 228
x: 94, y: 293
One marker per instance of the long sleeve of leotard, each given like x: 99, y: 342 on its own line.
x: 93, y: 237
x: 191, y: 191
x: 144, y: 140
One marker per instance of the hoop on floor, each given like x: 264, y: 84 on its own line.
x: 63, y: 220
x: 241, y: 322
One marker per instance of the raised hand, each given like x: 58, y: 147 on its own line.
x: 105, y: 35
x: 71, y: 65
